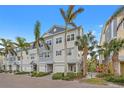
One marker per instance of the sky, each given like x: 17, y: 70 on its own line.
x: 20, y: 20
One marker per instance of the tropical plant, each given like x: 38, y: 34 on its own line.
x: 39, y: 40
x: 22, y: 45
x: 86, y: 43
x: 115, y: 46
x: 8, y: 48
x: 115, y: 14
x: 69, y: 17
x: 104, y: 51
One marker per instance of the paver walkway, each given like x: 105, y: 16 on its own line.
x: 25, y: 81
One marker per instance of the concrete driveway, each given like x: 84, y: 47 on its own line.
x: 25, y: 81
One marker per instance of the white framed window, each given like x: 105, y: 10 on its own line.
x: 69, y: 51
x: 49, y: 42
x: 72, y: 36
x: 58, y: 53
x: 47, y: 54
x: 59, y: 40
x: 123, y: 25
x: 18, y: 58
x: 68, y: 37
x: 32, y: 57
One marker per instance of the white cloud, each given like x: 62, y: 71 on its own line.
x: 101, y: 25
x: 94, y: 32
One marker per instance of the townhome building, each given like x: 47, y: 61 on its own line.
x: 52, y: 60
x: 110, y: 32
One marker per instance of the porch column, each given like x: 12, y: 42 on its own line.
x: 119, y: 69
x: 76, y: 67
x: 67, y: 67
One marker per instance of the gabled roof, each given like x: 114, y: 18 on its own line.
x: 54, y: 29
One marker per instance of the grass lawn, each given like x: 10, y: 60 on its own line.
x: 97, y: 81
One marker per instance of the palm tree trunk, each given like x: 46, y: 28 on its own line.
x: 115, y: 63
x: 21, y: 61
x: 106, y: 65
x: 65, y: 56
x: 38, y: 59
x: 84, y: 62
x: 6, y: 63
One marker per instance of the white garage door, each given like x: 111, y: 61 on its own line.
x: 58, y: 68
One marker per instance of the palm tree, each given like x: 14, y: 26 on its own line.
x: 22, y: 45
x: 69, y: 17
x: 115, y: 14
x: 8, y: 47
x: 38, y: 41
x: 115, y: 46
x: 120, y: 23
x: 86, y: 43
x: 104, y: 50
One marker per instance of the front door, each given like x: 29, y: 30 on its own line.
x: 34, y: 67
x: 10, y: 67
x: 122, y: 68
x: 50, y: 68
x: 17, y: 68
x: 72, y: 67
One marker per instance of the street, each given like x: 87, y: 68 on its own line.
x: 8, y: 80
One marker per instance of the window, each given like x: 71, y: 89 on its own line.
x: 59, y: 40
x: 58, y: 53
x: 56, y: 40
x: 45, y: 54
x: 49, y: 42
x: 32, y: 57
x: 41, y: 45
x: 41, y: 55
x: 69, y: 52
x: 123, y: 25
x: 18, y: 58
x: 72, y: 36
x: 68, y: 37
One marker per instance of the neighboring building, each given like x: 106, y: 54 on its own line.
x: 50, y: 60
x: 110, y: 32
x: 1, y: 61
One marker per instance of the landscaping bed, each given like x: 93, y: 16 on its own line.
x: 1, y: 71
x: 97, y: 81
x: 38, y: 74
x: 21, y: 73
x: 69, y: 76
x: 111, y: 78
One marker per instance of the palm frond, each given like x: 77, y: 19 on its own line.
x: 73, y: 24
x: 63, y: 14
x: 37, y: 30
x: 120, y: 23
x: 78, y: 11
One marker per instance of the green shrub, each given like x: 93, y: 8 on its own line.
x: 33, y: 74
x: 57, y: 76
x: 10, y: 71
x: 21, y: 73
x: 38, y: 74
x: 115, y: 79
x: 103, y: 75
x: 69, y: 76
x: 6, y: 71
x: 66, y: 78
x: 1, y: 71
x: 79, y: 75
